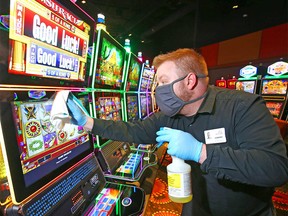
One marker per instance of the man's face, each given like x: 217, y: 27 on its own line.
x: 166, y: 73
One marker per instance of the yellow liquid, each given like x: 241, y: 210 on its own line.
x: 181, y: 199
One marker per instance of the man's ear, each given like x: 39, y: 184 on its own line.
x: 192, y: 80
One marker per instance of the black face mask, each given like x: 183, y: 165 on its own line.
x: 169, y: 103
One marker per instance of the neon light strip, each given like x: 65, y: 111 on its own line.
x: 248, y: 78
x: 276, y: 77
x: 6, y: 87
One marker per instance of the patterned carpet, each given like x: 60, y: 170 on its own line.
x: 280, y: 200
x: 159, y: 203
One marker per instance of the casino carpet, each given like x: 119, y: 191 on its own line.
x: 159, y: 203
x: 280, y: 200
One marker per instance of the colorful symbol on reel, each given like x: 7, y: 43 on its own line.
x: 62, y: 136
x: 32, y: 129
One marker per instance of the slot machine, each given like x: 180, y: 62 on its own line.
x: 250, y: 79
x: 109, y: 92
x: 50, y: 171
x: 150, y: 92
x: 108, y: 106
x: 231, y: 83
x: 132, y: 106
x: 135, y: 68
x: 143, y: 104
x: 109, y: 63
x: 145, y: 98
x: 125, y: 164
x: 137, y: 103
x: 37, y: 61
x: 153, y: 88
x: 274, y: 89
x: 42, y: 162
x: 107, y: 80
x: 222, y: 83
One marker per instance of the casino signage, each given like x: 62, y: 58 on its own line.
x: 47, y: 40
x: 58, y: 9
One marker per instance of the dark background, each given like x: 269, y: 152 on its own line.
x: 165, y: 25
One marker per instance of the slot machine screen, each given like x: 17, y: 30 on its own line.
x: 275, y: 108
x: 108, y: 106
x: 132, y: 107
x: 147, y: 79
x: 36, y: 151
x: 151, y: 79
x: 47, y: 43
x: 150, y: 85
x: 110, y: 62
x: 143, y: 106
x: 85, y: 99
x: 247, y: 86
x: 149, y: 104
x: 144, y: 84
x: 134, y: 72
x: 275, y: 87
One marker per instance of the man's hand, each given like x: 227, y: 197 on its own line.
x: 181, y: 144
x: 78, y: 113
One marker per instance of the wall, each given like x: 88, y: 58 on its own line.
x: 259, y: 48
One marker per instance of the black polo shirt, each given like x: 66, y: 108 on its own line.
x: 242, y: 167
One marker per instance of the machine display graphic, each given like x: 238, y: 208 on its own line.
x: 109, y: 108
x: 132, y: 107
x: 277, y: 87
x: 110, y: 59
x: 47, y: 41
x: 39, y: 141
x: 274, y: 89
x: 131, y: 165
x: 106, y: 202
x: 134, y: 72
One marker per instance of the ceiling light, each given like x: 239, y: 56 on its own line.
x: 235, y: 6
x: 83, y: 1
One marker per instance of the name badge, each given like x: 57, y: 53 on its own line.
x: 215, y: 136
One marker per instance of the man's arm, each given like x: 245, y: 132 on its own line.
x: 89, y: 124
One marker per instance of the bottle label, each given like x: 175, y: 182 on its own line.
x: 179, y: 184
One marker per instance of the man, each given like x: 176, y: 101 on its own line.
x: 228, y: 137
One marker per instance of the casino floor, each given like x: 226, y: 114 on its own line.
x: 159, y: 204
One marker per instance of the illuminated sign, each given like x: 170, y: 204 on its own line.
x: 61, y: 11
x: 47, y: 40
x: 278, y: 68
x: 43, y: 56
x: 248, y: 71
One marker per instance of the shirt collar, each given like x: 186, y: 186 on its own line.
x: 209, y: 101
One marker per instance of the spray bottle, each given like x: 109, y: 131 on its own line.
x: 179, y: 180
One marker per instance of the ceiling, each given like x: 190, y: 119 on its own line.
x: 158, y: 26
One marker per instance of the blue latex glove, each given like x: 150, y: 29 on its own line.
x: 78, y: 113
x: 181, y: 144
